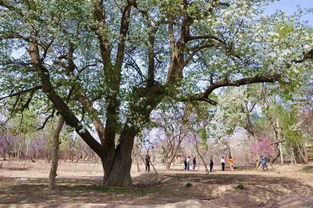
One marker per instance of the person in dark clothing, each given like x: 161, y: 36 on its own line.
x: 194, y: 163
x: 211, y: 165
x: 185, y: 163
x: 147, y: 159
x: 223, y: 163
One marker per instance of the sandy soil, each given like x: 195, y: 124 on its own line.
x: 24, y: 184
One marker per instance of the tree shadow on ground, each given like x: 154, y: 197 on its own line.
x: 219, y: 189
x: 224, y: 189
x: 15, y: 168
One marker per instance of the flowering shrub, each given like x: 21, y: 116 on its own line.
x: 263, y: 146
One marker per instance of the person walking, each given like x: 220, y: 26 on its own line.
x: 263, y: 161
x: 223, y: 163
x: 231, y: 163
x: 188, y: 162
x: 194, y: 163
x: 211, y: 165
x: 147, y: 159
x: 185, y: 163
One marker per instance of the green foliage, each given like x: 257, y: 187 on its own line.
x: 240, y: 43
x: 288, y: 122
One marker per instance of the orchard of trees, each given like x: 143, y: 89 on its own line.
x: 194, y: 72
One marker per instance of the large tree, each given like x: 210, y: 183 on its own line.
x: 120, y: 58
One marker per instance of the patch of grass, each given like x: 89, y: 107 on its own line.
x: 141, y: 192
x: 188, y: 185
x: 40, y: 185
x: 104, y: 189
x: 308, y: 169
x: 240, y: 186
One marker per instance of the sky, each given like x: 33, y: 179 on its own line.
x: 290, y: 6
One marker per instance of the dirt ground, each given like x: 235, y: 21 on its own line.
x: 24, y: 184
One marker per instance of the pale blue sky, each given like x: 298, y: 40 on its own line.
x: 290, y: 6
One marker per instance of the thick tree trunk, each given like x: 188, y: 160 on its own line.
x: 118, y: 174
x: 55, y: 153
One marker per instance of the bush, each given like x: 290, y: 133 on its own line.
x: 240, y: 186
x: 188, y: 185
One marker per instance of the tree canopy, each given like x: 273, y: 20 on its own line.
x: 104, y: 65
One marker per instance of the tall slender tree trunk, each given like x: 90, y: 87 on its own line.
x: 168, y: 163
x: 203, y: 160
x: 280, y: 149
x: 55, y: 153
x: 201, y: 156
x: 138, y: 168
x: 305, y: 152
x: 4, y: 156
x: 280, y: 146
x: 293, y: 156
x: 301, y: 153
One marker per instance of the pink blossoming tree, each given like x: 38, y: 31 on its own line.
x: 263, y: 146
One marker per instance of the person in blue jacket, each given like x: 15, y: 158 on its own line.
x: 263, y: 161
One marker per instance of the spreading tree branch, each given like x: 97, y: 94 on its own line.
x: 12, y: 94
x: 225, y: 83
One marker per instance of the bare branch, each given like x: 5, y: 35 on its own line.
x: 33, y: 89
x: 134, y: 65
x: 196, y: 50
x: 46, y: 120
x: 206, y: 37
x: 243, y: 81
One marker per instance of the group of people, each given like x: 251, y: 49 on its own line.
x: 187, y: 163
x: 230, y: 163
x: 223, y: 162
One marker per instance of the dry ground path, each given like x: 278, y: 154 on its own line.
x: 24, y: 184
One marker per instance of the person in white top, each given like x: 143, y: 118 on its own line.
x: 223, y: 163
x: 188, y: 162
